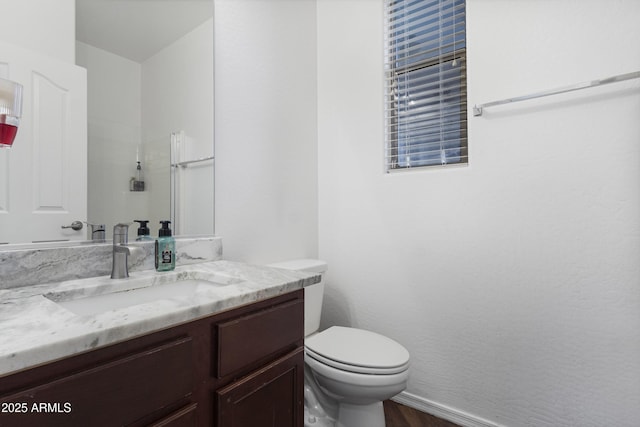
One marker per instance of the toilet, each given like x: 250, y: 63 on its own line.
x: 348, y: 372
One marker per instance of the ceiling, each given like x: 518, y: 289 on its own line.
x: 137, y: 29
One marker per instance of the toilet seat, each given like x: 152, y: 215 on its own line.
x: 358, y: 351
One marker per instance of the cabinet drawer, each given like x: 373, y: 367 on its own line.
x: 114, y: 393
x: 250, y: 338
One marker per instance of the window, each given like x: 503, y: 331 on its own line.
x: 426, y: 83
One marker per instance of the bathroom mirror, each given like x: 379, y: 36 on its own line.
x: 149, y: 100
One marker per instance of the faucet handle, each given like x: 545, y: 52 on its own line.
x: 120, y: 233
x: 97, y: 231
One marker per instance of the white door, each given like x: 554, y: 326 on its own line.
x: 43, y: 178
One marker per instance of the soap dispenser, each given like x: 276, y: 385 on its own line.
x: 165, y: 248
x: 143, y: 230
x: 137, y: 182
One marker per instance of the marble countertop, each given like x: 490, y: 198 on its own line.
x: 35, y: 329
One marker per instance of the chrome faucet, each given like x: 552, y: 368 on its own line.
x: 121, y: 252
x: 97, y: 231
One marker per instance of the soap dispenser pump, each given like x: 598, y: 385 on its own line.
x: 165, y: 248
x: 143, y: 230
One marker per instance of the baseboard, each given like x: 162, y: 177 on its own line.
x: 442, y: 411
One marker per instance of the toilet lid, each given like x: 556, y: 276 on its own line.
x: 357, y: 350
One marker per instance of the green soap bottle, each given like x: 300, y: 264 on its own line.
x: 165, y: 248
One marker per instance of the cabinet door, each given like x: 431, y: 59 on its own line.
x: 185, y: 417
x: 117, y: 393
x: 269, y: 397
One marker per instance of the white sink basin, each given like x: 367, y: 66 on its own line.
x: 181, y: 290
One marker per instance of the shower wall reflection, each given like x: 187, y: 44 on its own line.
x: 133, y: 109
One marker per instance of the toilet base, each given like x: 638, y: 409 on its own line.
x: 361, y: 415
x: 311, y: 420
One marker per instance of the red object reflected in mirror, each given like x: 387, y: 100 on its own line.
x: 10, y: 111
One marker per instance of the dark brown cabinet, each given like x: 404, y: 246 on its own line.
x: 239, y: 368
x: 266, y: 398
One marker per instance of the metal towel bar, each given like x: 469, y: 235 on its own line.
x: 188, y: 162
x: 477, y: 109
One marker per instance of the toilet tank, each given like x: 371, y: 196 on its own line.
x: 312, y: 294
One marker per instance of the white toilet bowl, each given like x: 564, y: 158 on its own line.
x: 357, y: 376
x: 358, y: 389
x: 348, y: 371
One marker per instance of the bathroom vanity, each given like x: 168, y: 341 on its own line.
x: 234, y: 358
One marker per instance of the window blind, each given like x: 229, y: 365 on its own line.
x: 426, y: 84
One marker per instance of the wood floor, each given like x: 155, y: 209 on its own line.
x: 397, y: 415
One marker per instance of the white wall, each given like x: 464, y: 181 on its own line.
x: 114, y: 127
x: 265, y: 129
x: 512, y: 281
x: 45, y: 26
x: 177, y: 95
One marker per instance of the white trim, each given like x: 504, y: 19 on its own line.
x: 442, y: 411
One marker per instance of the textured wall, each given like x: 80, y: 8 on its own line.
x: 513, y: 281
x: 265, y: 129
